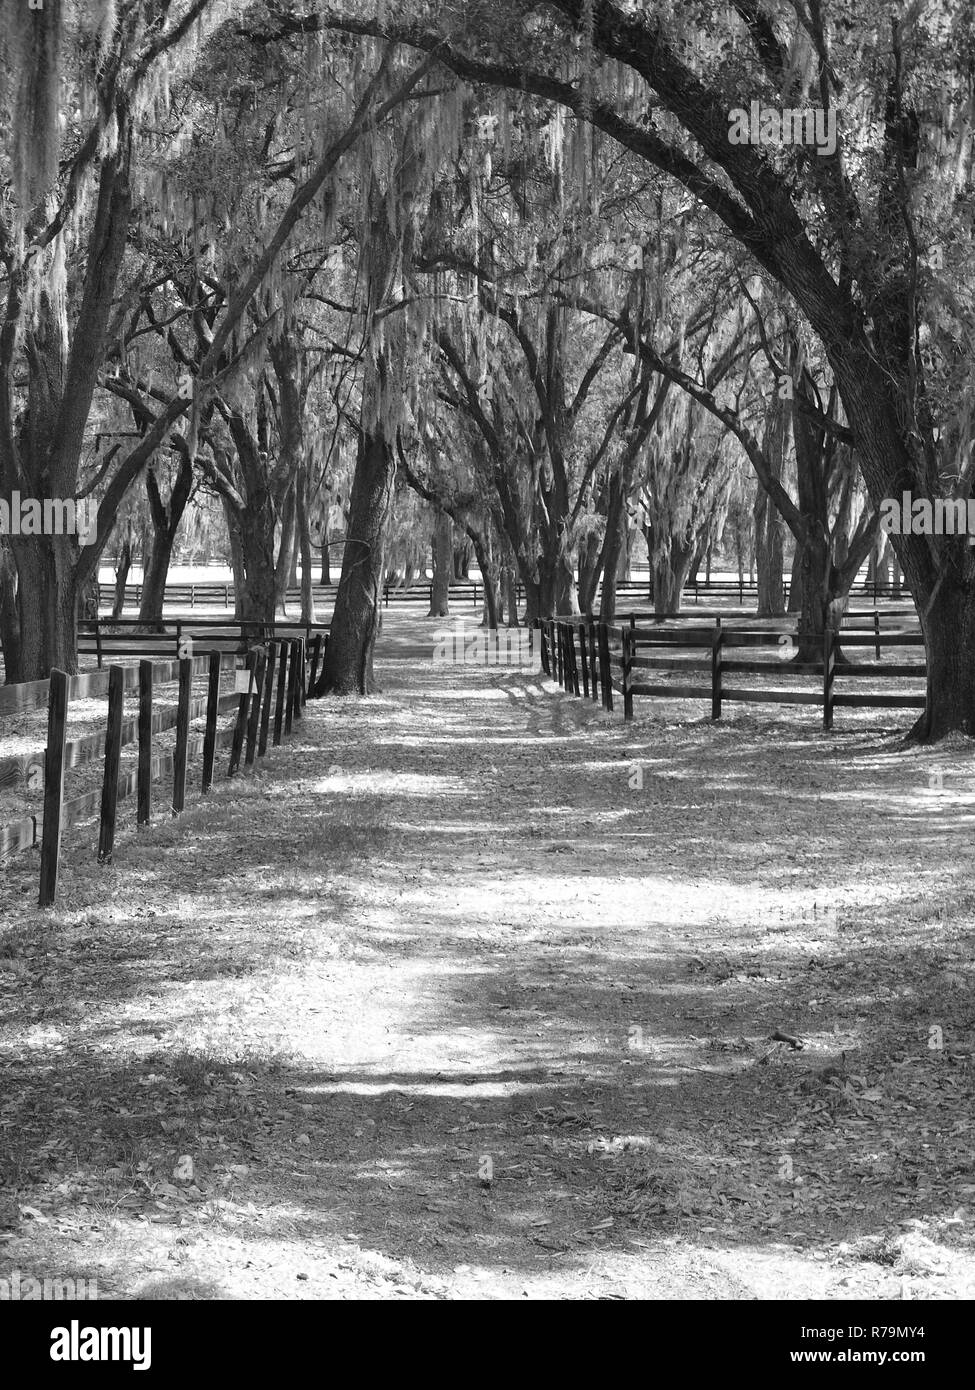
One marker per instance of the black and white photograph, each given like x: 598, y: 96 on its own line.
x: 487, y: 631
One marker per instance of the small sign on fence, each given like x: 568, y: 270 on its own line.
x: 184, y: 649
x: 242, y: 680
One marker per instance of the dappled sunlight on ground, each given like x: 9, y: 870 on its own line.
x: 473, y: 990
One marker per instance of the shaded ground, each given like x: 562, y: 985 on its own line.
x: 471, y: 992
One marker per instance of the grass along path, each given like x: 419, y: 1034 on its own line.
x: 443, y: 1003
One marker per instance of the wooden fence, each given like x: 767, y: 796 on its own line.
x: 595, y: 660
x: 209, y: 592
x: 271, y: 689
x: 206, y: 593
x: 107, y: 637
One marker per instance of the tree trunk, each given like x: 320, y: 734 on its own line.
x: 623, y: 562
x: 566, y: 591
x: 257, y: 550
x: 326, y: 570
x: 443, y: 557
x: 817, y: 611
x: 949, y: 637
x: 462, y: 554
x: 613, y: 546
x: 695, y: 567
x: 236, y: 557
x: 590, y: 560
x: 355, y: 622
x: 122, y: 574
x: 510, y: 581
x: 295, y: 555
x: 285, y: 553
x: 9, y: 625
x: 878, y: 570
x: 154, y: 579
x: 304, y: 545
x: 484, y: 554
x: 166, y: 518
x: 670, y: 571
x: 47, y: 603
x: 795, y: 585
x: 768, y: 552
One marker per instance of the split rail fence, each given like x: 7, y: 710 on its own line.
x: 108, y: 637
x: 597, y: 661
x: 270, y: 690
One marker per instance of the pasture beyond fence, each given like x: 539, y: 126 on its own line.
x: 596, y: 661
x: 270, y: 690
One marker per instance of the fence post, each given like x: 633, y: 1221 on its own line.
x: 301, y: 694
x: 113, y: 751
x: 627, y: 639
x: 279, y: 705
x: 829, y: 671
x: 182, y: 734
x: 144, y: 798
x: 605, y: 668
x: 272, y: 659
x: 210, y: 736
x: 593, y: 661
x: 582, y: 657
x: 57, y: 719
x: 316, y: 652
x: 876, y: 631
x: 98, y: 641
x: 716, y: 645
x: 542, y: 646
x: 237, y: 747
x: 289, y: 707
x: 255, y: 709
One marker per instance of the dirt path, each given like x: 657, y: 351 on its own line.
x: 471, y: 992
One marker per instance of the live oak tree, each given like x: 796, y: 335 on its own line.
x: 68, y: 203
x: 75, y: 175
x: 872, y: 241
x: 395, y: 175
